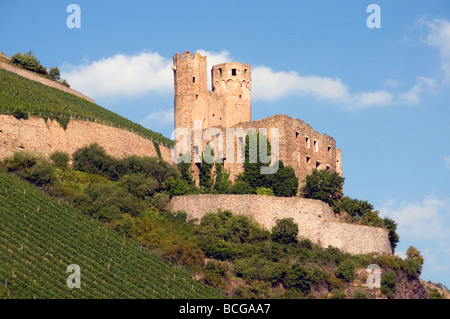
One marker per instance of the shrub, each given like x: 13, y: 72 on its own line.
x: 19, y: 161
x: 177, y: 187
x: 338, y: 294
x: 256, y: 290
x: 42, y: 174
x: 55, y: 73
x: 264, y: 191
x: 222, y: 183
x: 388, y: 284
x: 187, y: 254
x: 242, y: 187
x: 324, y: 185
x: 299, y: 277
x: 216, y: 274
x: 60, y: 159
x: 285, y: 231
x: 94, y: 159
x: 139, y: 185
x: 29, y: 62
x: 360, y: 294
x: 20, y: 114
x: 435, y: 294
x: 160, y: 201
x: 346, y: 270
x: 284, y: 182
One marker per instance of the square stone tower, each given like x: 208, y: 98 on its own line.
x: 227, y: 104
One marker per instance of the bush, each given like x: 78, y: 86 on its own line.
x: 264, y: 191
x: 388, y: 284
x: 55, y: 73
x: 94, y: 159
x: 285, y: 231
x: 186, y: 254
x: 346, y: 270
x: 29, y: 62
x: 324, y: 185
x: 360, y: 294
x: 20, y: 114
x: 284, y: 182
x: 338, y: 294
x: 42, y: 174
x: 19, y: 161
x: 216, y: 274
x: 299, y: 277
x: 242, y: 187
x: 139, y: 185
x: 178, y: 187
x: 60, y: 159
x: 256, y: 290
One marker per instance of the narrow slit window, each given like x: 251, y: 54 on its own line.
x: 297, y: 134
x: 308, y: 159
x: 307, y: 142
x: 317, y: 164
x: 196, y: 96
x: 329, y: 148
x: 328, y: 167
x: 233, y: 72
x: 220, y: 71
x: 193, y: 79
x: 316, y: 146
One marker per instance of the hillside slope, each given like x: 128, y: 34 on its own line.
x: 40, y: 236
x: 35, y: 99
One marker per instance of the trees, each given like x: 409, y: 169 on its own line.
x: 55, y: 73
x: 29, y: 62
x: 324, y: 185
x: 285, y: 231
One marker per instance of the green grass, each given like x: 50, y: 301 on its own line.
x: 36, y: 99
x: 40, y: 236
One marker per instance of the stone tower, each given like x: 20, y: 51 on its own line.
x: 228, y: 103
x: 191, y: 92
x: 231, y: 83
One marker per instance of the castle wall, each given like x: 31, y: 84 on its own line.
x: 35, y: 135
x: 314, y: 218
x: 35, y: 77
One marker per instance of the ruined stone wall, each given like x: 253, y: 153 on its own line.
x: 315, y: 219
x: 35, y: 77
x: 35, y: 135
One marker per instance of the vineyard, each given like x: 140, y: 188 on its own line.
x: 35, y: 99
x: 40, y: 236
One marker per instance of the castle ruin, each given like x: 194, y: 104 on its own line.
x: 228, y: 106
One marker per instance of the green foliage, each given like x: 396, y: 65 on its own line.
x: 338, y: 294
x: 44, y: 235
x: 19, y: 161
x: 178, y: 187
x: 324, y: 185
x: 60, y: 159
x: 285, y: 231
x: 264, y: 191
x: 355, y: 208
x: 388, y: 284
x: 94, y: 159
x: 284, y: 182
x: 20, y: 114
x: 360, y: 294
x: 346, y: 270
x: 435, y: 294
x: 391, y: 226
x: 55, y: 73
x: 299, y: 277
x: 185, y: 253
x: 29, y: 62
x: 256, y: 290
x: 216, y: 275
x: 138, y: 185
x: 41, y: 174
x: 222, y: 183
x: 205, y: 175
x: 185, y: 172
x: 242, y: 187
x: 40, y: 100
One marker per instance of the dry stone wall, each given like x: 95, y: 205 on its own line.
x: 35, y: 135
x: 315, y: 219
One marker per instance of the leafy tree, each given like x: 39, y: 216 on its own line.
x: 346, y: 270
x: 60, y: 159
x: 55, y: 73
x: 205, y: 176
x: 285, y: 231
x: 324, y: 185
x: 299, y: 277
x: 252, y: 171
x: 222, y: 183
x: 388, y: 284
x: 42, y: 174
x: 185, y: 172
x: 284, y: 182
x: 177, y: 187
x: 94, y: 159
x: 415, y: 258
x: 139, y: 185
x: 242, y: 187
x: 29, y: 62
x: 355, y: 208
x: 391, y: 226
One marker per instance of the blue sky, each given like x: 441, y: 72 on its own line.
x: 383, y: 94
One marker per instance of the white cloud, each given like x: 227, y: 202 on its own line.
x: 428, y: 219
x: 122, y: 75
x: 439, y: 37
x: 422, y: 85
x: 214, y: 58
x: 377, y: 98
x: 158, y: 118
